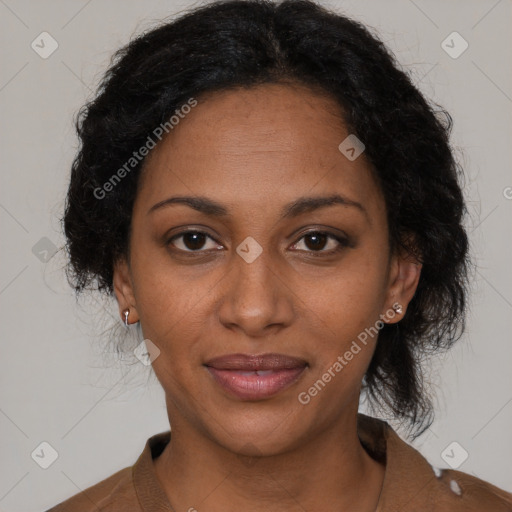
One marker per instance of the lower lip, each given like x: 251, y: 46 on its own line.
x: 253, y: 386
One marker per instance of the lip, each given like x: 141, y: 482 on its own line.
x: 255, y: 377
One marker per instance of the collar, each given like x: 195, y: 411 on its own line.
x: 407, y: 479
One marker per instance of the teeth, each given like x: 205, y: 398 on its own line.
x: 264, y: 372
x: 256, y: 372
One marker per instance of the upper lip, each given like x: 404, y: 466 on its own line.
x: 248, y: 362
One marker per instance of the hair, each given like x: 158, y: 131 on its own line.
x: 243, y: 43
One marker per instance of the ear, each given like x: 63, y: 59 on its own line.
x: 404, y: 276
x: 123, y: 289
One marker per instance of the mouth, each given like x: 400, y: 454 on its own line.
x: 255, y: 377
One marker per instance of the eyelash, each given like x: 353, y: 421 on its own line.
x: 342, y: 241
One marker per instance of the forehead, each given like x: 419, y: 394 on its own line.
x: 256, y: 146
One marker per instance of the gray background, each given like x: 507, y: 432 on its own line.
x: 57, y: 382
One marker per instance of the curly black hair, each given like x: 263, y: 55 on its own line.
x: 242, y: 43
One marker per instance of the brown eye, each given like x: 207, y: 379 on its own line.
x: 191, y: 241
x: 317, y: 241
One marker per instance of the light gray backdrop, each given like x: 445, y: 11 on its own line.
x: 57, y: 385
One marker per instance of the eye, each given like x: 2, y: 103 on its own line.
x: 192, y: 241
x: 316, y: 241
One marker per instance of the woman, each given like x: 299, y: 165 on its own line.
x: 276, y: 205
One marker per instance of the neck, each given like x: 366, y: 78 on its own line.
x: 330, y: 472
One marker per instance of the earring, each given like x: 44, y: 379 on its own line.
x: 398, y: 308
x: 126, y: 312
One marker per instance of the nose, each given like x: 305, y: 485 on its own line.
x: 256, y: 299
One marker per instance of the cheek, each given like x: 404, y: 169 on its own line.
x: 349, y: 298
x: 342, y: 328
x: 167, y: 303
x: 342, y: 318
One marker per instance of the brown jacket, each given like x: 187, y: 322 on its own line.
x: 411, y: 484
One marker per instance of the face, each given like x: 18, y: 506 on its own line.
x: 286, y: 253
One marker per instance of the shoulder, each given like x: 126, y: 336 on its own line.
x: 134, y: 488
x: 109, y: 495
x: 456, y: 490
x: 411, y: 483
x: 435, y: 489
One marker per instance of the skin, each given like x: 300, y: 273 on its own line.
x: 254, y: 151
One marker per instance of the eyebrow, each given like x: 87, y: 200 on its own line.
x: 293, y: 209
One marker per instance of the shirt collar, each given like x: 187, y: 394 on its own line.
x: 406, y: 479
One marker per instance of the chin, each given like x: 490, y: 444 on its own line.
x: 256, y: 434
